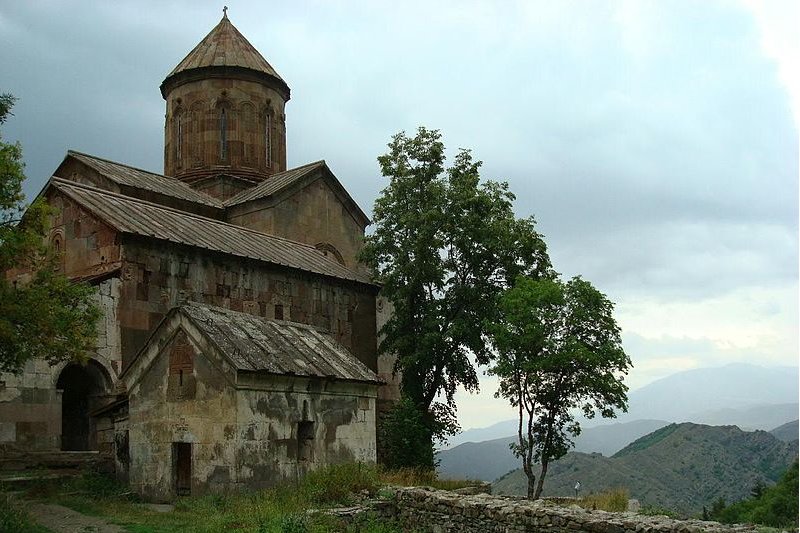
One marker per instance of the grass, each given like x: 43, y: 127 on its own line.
x: 412, y: 477
x: 282, y: 509
x: 13, y: 517
x: 615, y: 500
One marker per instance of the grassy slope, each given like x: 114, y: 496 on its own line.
x: 682, y: 467
x: 282, y: 509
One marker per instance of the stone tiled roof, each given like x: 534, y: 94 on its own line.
x: 138, y: 217
x: 274, y: 184
x: 225, y: 46
x: 142, y: 179
x: 256, y: 344
x: 281, y: 181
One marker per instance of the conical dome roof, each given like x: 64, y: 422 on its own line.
x: 224, y: 52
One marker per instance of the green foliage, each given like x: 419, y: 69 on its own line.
x: 775, y: 506
x: 445, y: 246
x: 418, y: 477
x: 558, y: 349
x: 42, y: 314
x: 336, y: 484
x: 614, y: 500
x: 13, y: 517
x: 405, y: 435
x: 285, y: 508
x: 294, y: 523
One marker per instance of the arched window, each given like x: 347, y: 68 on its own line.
x: 268, y: 139
x: 223, y: 134
x: 329, y: 250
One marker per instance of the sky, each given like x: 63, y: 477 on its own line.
x: 656, y: 143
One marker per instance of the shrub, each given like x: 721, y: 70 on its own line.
x: 776, y: 506
x: 615, y: 500
x: 339, y: 483
x: 405, y: 437
x: 14, y: 518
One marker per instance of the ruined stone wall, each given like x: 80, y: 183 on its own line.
x: 314, y: 215
x: 157, y: 276
x: 436, y: 511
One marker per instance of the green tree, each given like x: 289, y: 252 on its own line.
x: 775, y: 506
x: 42, y: 314
x: 558, y: 350
x: 445, y: 246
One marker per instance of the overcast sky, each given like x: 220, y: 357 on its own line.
x: 655, y: 142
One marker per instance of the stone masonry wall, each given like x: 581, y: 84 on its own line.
x: 435, y: 511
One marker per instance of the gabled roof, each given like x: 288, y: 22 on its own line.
x: 138, y: 217
x: 225, y: 46
x: 276, y: 184
x: 255, y: 344
x: 141, y: 179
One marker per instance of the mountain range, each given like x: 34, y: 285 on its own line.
x: 749, y: 396
x: 680, y: 466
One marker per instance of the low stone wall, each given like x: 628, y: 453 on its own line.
x: 436, y: 511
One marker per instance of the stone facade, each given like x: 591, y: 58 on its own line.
x: 150, y: 243
x: 243, y: 430
x: 217, y: 126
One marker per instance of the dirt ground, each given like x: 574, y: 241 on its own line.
x: 59, y: 519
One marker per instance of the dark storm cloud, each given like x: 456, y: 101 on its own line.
x: 653, y: 142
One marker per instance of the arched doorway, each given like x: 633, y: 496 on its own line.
x: 81, y: 386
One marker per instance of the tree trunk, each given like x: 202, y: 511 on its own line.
x: 532, y: 487
x: 541, y: 481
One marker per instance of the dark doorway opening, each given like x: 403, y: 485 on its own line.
x: 182, y: 462
x: 81, y: 387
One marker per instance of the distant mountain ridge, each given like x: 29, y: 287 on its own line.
x: 680, y: 466
x: 468, y: 460
x: 787, y: 432
x: 749, y: 396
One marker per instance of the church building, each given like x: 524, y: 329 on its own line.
x: 238, y: 342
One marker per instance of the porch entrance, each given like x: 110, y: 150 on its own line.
x: 81, y: 387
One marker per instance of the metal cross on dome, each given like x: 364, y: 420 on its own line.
x: 224, y: 11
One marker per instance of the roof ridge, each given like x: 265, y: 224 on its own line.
x: 185, y: 213
x: 204, y: 199
x: 244, y: 193
x: 76, y: 152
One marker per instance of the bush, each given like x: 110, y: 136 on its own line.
x: 615, y: 500
x: 337, y: 484
x: 406, y: 438
x: 776, y: 506
x: 14, y: 518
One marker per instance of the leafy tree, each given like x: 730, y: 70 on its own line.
x: 42, y: 314
x: 775, y: 506
x: 445, y: 246
x: 558, y: 349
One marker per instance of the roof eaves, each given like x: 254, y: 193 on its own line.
x: 55, y: 181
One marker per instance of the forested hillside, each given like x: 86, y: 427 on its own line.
x: 680, y: 466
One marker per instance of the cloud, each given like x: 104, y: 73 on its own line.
x: 653, y: 141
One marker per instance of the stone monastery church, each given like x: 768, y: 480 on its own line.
x: 238, y: 344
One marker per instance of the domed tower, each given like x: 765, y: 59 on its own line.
x: 225, y: 126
